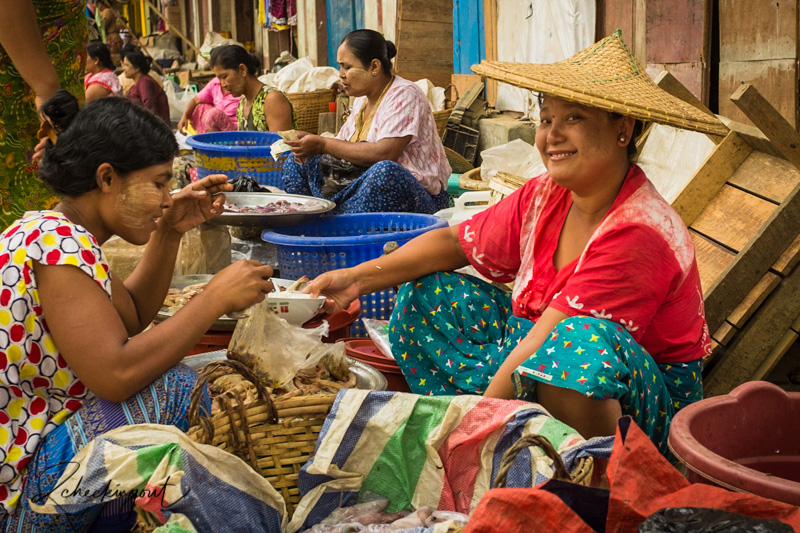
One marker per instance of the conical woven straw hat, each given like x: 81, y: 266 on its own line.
x: 606, y: 76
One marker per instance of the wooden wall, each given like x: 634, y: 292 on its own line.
x: 424, y: 40
x: 673, y: 36
x: 759, y: 45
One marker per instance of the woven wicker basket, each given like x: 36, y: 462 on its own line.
x: 441, y: 119
x: 503, y: 184
x: 582, y: 474
x: 276, y: 438
x: 471, y: 180
x: 308, y: 106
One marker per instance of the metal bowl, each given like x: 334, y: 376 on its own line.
x: 270, y: 220
x: 367, y: 376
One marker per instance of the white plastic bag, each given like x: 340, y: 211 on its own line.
x: 517, y: 157
x: 315, y: 79
x: 178, y: 101
x: 378, y: 331
x: 435, y: 95
x: 291, y: 72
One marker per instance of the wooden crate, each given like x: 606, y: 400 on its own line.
x: 742, y: 208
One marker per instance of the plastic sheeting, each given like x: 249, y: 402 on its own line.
x: 548, y: 31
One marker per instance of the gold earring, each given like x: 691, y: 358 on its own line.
x: 622, y: 138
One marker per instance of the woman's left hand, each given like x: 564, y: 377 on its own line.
x: 307, y: 145
x: 196, y: 203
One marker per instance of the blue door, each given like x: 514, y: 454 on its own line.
x: 343, y: 16
x: 469, y: 45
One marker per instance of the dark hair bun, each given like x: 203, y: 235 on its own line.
x: 60, y: 109
x: 391, y: 50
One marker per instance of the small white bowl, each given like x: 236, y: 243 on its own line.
x: 294, y: 307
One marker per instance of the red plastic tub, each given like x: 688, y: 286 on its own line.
x: 746, y: 441
x: 365, y: 351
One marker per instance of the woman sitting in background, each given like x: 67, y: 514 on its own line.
x: 213, y: 109
x: 145, y: 91
x: 261, y: 108
x: 100, y: 80
x: 390, y: 136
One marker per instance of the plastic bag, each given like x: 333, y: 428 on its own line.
x: 276, y: 349
x: 378, y: 331
x: 314, y: 80
x: 205, y: 249
x: 291, y: 73
x: 178, y: 100
x: 702, y: 520
x: 517, y: 157
x: 244, y: 183
x: 337, y: 174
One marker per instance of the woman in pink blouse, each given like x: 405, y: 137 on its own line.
x: 100, y: 80
x: 389, y: 152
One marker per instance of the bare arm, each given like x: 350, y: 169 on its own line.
x: 500, y: 386
x: 361, y: 153
x: 21, y: 38
x: 278, y: 112
x: 93, y: 339
x: 141, y: 296
x: 434, y: 251
x: 187, y: 114
x: 96, y: 91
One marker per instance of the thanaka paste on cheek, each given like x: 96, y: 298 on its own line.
x: 137, y: 203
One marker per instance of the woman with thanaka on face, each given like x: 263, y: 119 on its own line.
x: 391, y: 131
x: 606, y: 317
x: 100, y: 80
x: 261, y: 108
x: 79, y: 359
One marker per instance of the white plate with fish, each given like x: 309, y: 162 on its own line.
x: 270, y: 210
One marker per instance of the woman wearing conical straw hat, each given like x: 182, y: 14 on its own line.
x: 606, y: 317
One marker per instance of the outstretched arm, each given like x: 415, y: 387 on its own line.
x: 21, y: 38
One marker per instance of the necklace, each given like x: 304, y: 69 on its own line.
x: 363, y: 126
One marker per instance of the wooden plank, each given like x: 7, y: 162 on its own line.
x: 733, y: 217
x: 752, y: 347
x: 753, y: 261
x: 431, y: 20
x: 461, y: 82
x: 612, y: 15
x: 710, y: 177
x: 757, y: 30
x: 638, y: 43
x: 788, y: 259
x: 712, y: 259
x: 490, y: 40
x: 776, y: 79
x: 725, y: 333
x: 774, y: 357
x: 796, y: 324
x: 669, y: 82
x: 757, y: 140
x: 766, y: 118
x: 742, y: 313
x: 676, y: 31
x: 766, y: 176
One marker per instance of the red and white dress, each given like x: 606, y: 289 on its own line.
x: 38, y: 391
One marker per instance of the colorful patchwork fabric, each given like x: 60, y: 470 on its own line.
x: 38, y: 389
x: 165, y: 401
x: 450, y: 333
x: 443, y: 452
x: 186, y: 485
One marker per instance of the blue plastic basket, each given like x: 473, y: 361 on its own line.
x: 343, y: 241
x: 238, y: 152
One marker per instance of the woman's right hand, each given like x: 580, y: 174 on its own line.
x: 240, y: 285
x: 339, y: 286
x: 307, y: 145
x: 182, y: 125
